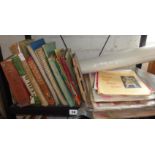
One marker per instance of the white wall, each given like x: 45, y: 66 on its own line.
x: 86, y: 46
x: 6, y: 41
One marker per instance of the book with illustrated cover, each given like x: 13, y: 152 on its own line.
x: 17, y: 87
x: 15, y: 48
x: 19, y: 67
x: 32, y: 48
x: 121, y: 82
x: 43, y: 60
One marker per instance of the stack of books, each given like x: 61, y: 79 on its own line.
x: 118, y: 93
x: 38, y: 73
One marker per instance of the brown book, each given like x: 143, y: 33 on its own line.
x: 15, y: 49
x: 40, y: 80
x: 17, y: 87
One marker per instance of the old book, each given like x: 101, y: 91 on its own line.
x: 121, y: 82
x: 16, y: 49
x: 79, y: 78
x: 64, y: 69
x: 32, y: 47
x: 19, y: 67
x: 40, y: 80
x: 43, y: 60
x: 53, y: 65
x: 23, y: 46
x: 17, y: 87
x: 49, y: 48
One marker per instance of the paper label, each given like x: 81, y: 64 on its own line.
x: 73, y: 112
x: 21, y: 56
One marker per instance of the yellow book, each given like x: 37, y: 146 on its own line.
x: 121, y: 82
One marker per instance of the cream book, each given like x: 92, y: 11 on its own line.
x: 121, y: 82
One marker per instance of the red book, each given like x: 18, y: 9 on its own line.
x: 17, y: 87
x: 61, y: 59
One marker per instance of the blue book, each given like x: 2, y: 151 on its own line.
x: 37, y: 44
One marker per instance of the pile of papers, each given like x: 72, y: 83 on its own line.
x: 121, y: 91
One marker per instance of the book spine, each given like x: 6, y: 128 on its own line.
x: 16, y: 49
x: 79, y: 78
x: 43, y: 74
x: 19, y: 67
x: 40, y: 81
x: 43, y: 60
x: 72, y: 84
x: 61, y: 83
x: 18, y: 89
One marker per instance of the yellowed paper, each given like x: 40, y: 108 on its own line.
x: 121, y: 82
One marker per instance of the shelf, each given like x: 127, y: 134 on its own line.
x: 40, y: 110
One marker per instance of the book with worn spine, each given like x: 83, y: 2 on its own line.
x: 43, y: 86
x: 43, y: 60
x: 65, y: 72
x: 31, y: 48
x: 64, y: 89
x: 17, y: 87
x: 15, y: 48
x: 19, y: 67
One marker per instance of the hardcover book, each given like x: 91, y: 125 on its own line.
x: 18, y: 89
x: 40, y: 81
x: 60, y: 81
x: 19, y: 67
x: 43, y: 60
x: 31, y: 48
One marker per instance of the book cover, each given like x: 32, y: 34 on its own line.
x: 17, y: 50
x: 60, y: 81
x: 40, y: 81
x: 121, y: 82
x: 43, y: 60
x: 17, y: 87
x: 32, y: 53
x: 19, y: 67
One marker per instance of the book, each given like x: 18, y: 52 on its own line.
x: 31, y: 48
x: 40, y: 81
x: 19, y: 67
x: 49, y: 48
x: 43, y: 60
x: 79, y: 78
x: 121, y: 82
x: 64, y: 89
x: 23, y: 46
x: 65, y: 73
x: 16, y: 50
x: 17, y: 87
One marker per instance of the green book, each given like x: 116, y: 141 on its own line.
x: 19, y: 67
x: 49, y: 48
x: 58, y: 77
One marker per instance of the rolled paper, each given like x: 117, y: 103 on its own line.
x: 121, y: 59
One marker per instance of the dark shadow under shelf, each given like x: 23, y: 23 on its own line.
x: 40, y: 110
